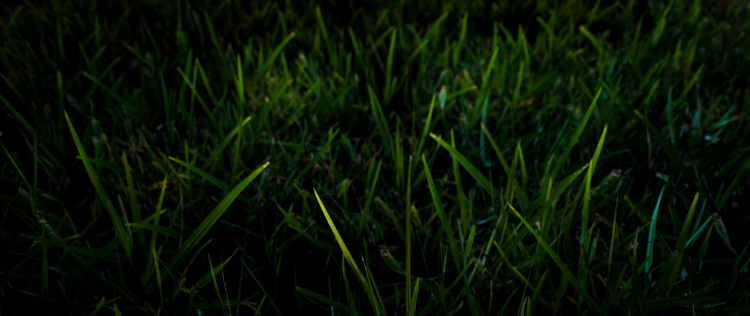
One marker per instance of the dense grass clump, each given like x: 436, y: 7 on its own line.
x: 400, y: 157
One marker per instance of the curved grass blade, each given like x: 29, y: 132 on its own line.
x: 108, y: 206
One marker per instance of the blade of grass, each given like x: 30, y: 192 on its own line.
x: 212, y: 217
x: 352, y: 264
x: 108, y: 206
x: 445, y: 224
x: 569, y: 148
x: 566, y: 273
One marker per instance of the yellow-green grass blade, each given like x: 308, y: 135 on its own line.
x: 212, y: 217
x: 445, y: 224
x: 566, y: 273
x: 349, y: 259
x: 108, y: 206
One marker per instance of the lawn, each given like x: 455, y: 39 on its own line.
x: 386, y: 158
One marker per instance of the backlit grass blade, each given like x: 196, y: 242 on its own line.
x: 445, y: 223
x: 108, y: 206
x: 352, y: 264
x: 566, y: 273
x: 212, y: 217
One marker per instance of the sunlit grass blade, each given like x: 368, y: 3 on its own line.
x: 352, y: 264
x: 108, y: 206
x: 563, y: 267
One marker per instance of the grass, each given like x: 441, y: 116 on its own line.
x: 408, y: 158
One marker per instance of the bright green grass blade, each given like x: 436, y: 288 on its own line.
x: 652, y: 233
x: 445, y: 224
x: 568, y: 275
x: 108, y: 206
x: 212, y: 217
x: 569, y: 147
x: 352, y: 264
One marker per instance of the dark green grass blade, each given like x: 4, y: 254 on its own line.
x: 566, y: 273
x: 108, y: 206
x: 212, y: 217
